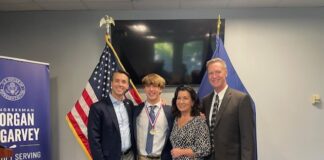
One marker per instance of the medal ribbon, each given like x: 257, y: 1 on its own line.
x: 150, y: 120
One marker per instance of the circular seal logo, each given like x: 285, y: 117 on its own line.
x: 12, y: 88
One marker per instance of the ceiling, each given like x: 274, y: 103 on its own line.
x: 66, y: 5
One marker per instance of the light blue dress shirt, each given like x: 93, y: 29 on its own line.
x: 123, y: 122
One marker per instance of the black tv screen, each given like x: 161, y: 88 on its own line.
x: 175, y: 49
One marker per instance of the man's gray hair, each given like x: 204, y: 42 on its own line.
x: 215, y: 60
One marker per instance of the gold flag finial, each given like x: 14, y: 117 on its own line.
x: 107, y: 21
x: 219, y: 22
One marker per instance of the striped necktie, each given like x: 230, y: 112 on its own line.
x: 213, y: 120
x: 149, y: 139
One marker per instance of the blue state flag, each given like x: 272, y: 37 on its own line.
x: 233, y: 80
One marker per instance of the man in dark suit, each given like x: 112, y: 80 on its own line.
x: 229, y: 116
x: 109, y: 123
x: 153, y: 122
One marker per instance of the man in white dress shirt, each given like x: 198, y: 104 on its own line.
x: 153, y: 122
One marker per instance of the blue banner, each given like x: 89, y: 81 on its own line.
x: 25, y: 108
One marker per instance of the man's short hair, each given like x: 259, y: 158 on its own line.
x: 154, y: 79
x: 121, y: 72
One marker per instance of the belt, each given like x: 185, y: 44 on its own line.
x: 151, y: 156
x: 126, y: 152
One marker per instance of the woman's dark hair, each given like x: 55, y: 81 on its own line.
x: 194, y: 97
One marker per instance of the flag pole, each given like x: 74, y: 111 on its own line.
x: 219, y: 22
x: 107, y: 21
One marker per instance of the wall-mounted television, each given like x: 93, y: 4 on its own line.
x: 174, y: 49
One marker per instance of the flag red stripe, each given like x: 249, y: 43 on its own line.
x: 81, y: 113
x: 77, y: 129
x: 136, y: 97
x: 87, y: 98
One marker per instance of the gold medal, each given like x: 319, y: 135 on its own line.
x: 153, y: 131
x: 152, y: 120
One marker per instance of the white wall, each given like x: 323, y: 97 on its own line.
x: 278, y: 54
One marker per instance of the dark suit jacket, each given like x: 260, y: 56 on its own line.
x: 234, y: 130
x: 166, y: 152
x: 103, y: 130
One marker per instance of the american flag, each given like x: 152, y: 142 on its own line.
x: 97, y: 88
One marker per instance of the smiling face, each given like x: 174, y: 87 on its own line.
x: 153, y: 86
x: 119, y: 85
x: 152, y: 93
x: 184, y: 102
x: 217, y: 74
